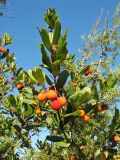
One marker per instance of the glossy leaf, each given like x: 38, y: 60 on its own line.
x: 45, y: 38
x: 84, y: 69
x: 62, y: 78
x: 56, y: 67
x: 54, y: 138
x: 57, y: 32
x: 62, y: 50
x: 45, y: 57
x: 63, y: 144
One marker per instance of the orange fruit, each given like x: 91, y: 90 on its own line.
x: 72, y: 157
x: 51, y: 94
x: 116, y: 138
x: 37, y: 111
x: 2, y: 49
x: 90, y: 70
x: 62, y: 100
x: 82, y: 112
x: 86, y: 118
x: 19, y: 86
x: 41, y: 96
x: 100, y: 108
x: 56, y: 104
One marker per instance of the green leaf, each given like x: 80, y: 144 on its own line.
x: 92, y: 101
x: 63, y: 144
x: 55, y: 120
x: 39, y: 75
x: 7, y: 39
x: 49, y: 120
x: 57, y: 32
x: 84, y: 69
x: 45, y: 38
x: 45, y: 57
x: 29, y: 101
x: 56, y: 67
x: 95, y: 93
x: 62, y: 79
x: 11, y: 100
x: 54, y: 138
x: 62, y: 50
x: 81, y: 96
x: 97, y: 152
x: 31, y: 76
x: 111, y: 81
x: 3, y: 55
x: 76, y: 113
x: 116, y: 114
x: 48, y: 80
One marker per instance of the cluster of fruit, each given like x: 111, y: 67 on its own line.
x: 84, y: 116
x: 103, y: 107
x: 2, y: 49
x: 56, y: 101
x: 88, y: 71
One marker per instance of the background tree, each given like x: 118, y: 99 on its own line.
x: 75, y: 98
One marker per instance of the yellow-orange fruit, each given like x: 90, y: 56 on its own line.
x: 82, y: 112
x: 86, y: 118
x: 29, y: 141
x: 116, y: 138
x: 42, y: 96
x: 19, y: 86
x: 2, y: 49
x: 100, y: 108
x: 62, y: 100
x: 14, y: 130
x: 38, y: 111
x: 51, y: 94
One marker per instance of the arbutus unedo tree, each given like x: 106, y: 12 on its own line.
x: 75, y: 98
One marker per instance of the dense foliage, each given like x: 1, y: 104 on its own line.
x: 74, y: 97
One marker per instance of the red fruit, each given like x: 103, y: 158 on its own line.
x: 86, y: 73
x: 62, y: 100
x: 42, y: 96
x: 12, y: 77
x: 100, y: 108
x: 51, y: 94
x: 56, y: 105
x: 116, y: 138
x: 2, y: 49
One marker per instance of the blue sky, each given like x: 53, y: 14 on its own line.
x: 78, y: 15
